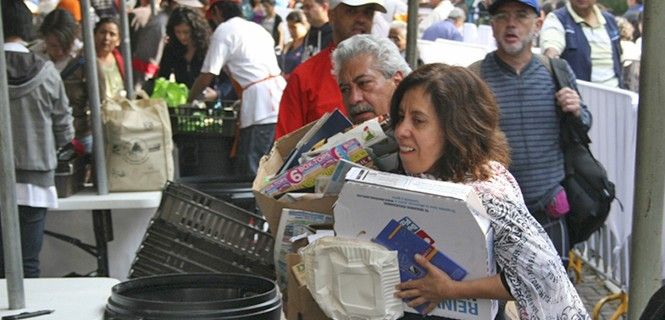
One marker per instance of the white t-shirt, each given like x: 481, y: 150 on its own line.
x: 245, y: 50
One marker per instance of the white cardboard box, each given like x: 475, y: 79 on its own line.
x: 451, y: 214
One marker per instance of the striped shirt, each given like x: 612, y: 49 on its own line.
x: 531, y: 124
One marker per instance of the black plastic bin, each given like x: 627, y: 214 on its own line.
x: 195, y: 296
x: 204, y: 155
x: 204, y: 138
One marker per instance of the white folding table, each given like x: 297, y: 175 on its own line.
x: 71, y: 298
x: 101, y: 206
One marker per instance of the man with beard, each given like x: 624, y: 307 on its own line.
x: 312, y: 89
x: 521, y: 81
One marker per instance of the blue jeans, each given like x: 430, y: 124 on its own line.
x: 254, y: 142
x: 31, y: 221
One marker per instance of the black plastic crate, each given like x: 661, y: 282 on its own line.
x: 165, y: 249
x: 206, y: 155
x: 234, y: 189
x: 212, y: 120
x: 177, y: 200
x: 194, y: 232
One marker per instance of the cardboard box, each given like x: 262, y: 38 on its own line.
x: 300, y: 304
x: 304, y: 176
x: 451, y: 216
x: 272, y: 208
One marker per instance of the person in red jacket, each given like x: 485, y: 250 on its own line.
x: 312, y: 90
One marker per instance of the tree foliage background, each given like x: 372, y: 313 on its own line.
x: 617, y: 7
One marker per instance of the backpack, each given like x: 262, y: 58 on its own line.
x: 590, y: 192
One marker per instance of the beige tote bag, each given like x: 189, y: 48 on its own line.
x: 138, y: 144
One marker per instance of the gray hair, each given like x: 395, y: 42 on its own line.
x: 387, y: 58
x: 457, y: 14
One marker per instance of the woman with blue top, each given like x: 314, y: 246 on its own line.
x: 292, y: 53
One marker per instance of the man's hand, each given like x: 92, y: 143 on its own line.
x: 201, y: 82
x: 551, y: 53
x: 430, y: 290
x: 569, y: 101
x: 209, y: 94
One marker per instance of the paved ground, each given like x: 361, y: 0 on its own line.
x: 591, y: 289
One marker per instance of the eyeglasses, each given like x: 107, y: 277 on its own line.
x: 520, y: 16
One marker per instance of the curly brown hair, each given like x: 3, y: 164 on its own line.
x: 469, y: 115
x: 200, y: 30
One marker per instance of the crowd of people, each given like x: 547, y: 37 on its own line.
x: 487, y: 126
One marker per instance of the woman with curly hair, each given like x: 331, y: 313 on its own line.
x: 446, y: 123
x: 189, y: 36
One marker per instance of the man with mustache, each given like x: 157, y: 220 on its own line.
x: 520, y: 81
x: 368, y: 68
x: 312, y: 89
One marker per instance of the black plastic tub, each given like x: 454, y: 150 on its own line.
x: 195, y: 296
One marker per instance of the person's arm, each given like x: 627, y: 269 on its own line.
x: 212, y: 64
x: 62, y: 126
x: 570, y: 101
x: 552, y: 36
x: 437, y: 286
x: 201, y: 82
x: 290, y: 116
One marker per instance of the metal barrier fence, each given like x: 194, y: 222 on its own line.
x: 609, y: 261
x: 614, y: 137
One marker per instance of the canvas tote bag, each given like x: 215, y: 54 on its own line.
x: 138, y: 145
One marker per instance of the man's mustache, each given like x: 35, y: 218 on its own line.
x: 360, y: 108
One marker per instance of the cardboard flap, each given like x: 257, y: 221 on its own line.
x: 300, y: 304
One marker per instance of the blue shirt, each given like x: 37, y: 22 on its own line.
x: 443, y: 29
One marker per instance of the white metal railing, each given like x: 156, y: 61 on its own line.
x: 614, y: 137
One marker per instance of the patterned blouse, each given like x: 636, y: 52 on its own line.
x: 532, y: 269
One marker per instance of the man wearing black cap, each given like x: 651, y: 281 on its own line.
x: 41, y: 122
x: 520, y: 81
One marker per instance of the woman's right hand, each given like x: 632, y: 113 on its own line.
x: 437, y: 286
x: 430, y: 290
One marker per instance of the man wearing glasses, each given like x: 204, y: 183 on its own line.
x: 522, y: 83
